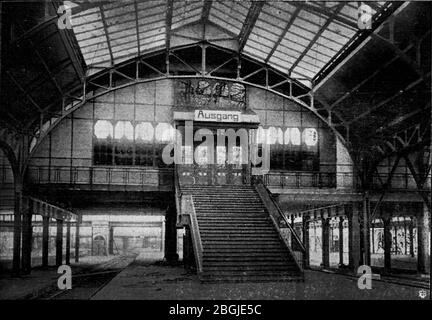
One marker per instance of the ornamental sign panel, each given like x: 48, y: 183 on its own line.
x: 217, y: 116
x: 210, y: 94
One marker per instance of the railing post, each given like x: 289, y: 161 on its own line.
x: 306, y: 220
x: 59, y: 243
x: 45, y: 240
x: 68, y: 236
x: 77, y: 238
x: 341, y: 241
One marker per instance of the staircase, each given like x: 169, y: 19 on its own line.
x: 239, y: 240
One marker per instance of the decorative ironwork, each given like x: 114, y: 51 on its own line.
x: 203, y: 93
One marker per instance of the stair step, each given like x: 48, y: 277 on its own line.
x: 230, y: 229
x: 246, y: 258
x: 275, y: 268
x: 257, y: 243
x: 236, y: 278
x: 240, y: 242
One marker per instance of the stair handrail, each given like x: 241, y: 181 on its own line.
x: 297, y: 238
x: 189, y: 209
x: 259, y: 185
x: 178, y: 193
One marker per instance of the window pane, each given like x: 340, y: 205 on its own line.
x: 271, y: 135
x: 310, y: 136
x: 124, y: 129
x: 144, y: 131
x: 165, y: 133
x: 261, y: 135
x: 287, y: 136
x: 221, y: 154
x: 274, y: 135
x: 295, y: 136
x: 103, y: 129
x: 202, y: 155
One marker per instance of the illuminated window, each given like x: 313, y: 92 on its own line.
x: 165, y: 133
x: 261, y: 135
x: 275, y: 135
x: 144, y: 131
x: 310, y: 136
x: 237, y: 156
x: 295, y: 136
x: 187, y: 155
x: 287, y: 135
x: 202, y: 156
x: 103, y: 129
x: 102, y: 145
x: 124, y: 129
x: 221, y: 154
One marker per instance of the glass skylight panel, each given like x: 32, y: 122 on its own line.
x: 312, y: 62
x: 336, y: 38
x: 292, y: 46
x: 149, y: 44
x: 271, y: 12
x: 317, y: 58
x: 260, y: 40
x: 304, y: 72
x: 311, y: 67
x: 265, y: 34
x: 301, y: 32
x: 155, y: 37
x: 260, y: 53
x: 119, y: 12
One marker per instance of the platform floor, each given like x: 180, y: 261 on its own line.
x: 149, y: 281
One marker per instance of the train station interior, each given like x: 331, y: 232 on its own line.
x: 215, y: 149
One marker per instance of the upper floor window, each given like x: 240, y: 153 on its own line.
x: 124, y: 130
x: 310, y: 137
x: 164, y: 133
x: 103, y: 129
x: 295, y: 136
x: 144, y: 131
x: 123, y: 143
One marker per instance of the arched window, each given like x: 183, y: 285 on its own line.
x: 287, y: 136
x: 295, y: 136
x: 310, y: 137
x: 272, y: 135
x: 164, y: 132
x: 103, y: 146
x: 144, y: 148
x: 261, y: 135
x: 124, y: 136
x: 124, y: 130
x: 103, y: 129
x: 144, y: 131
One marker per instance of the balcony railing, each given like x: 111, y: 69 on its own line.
x: 102, y: 176
x: 300, y: 179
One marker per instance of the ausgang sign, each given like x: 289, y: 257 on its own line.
x: 217, y: 116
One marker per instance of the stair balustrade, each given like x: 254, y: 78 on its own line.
x: 286, y: 231
x: 188, y: 210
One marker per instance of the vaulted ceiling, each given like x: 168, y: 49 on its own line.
x: 372, y: 86
x: 297, y: 38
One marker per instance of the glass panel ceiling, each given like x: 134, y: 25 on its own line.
x: 297, y: 38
